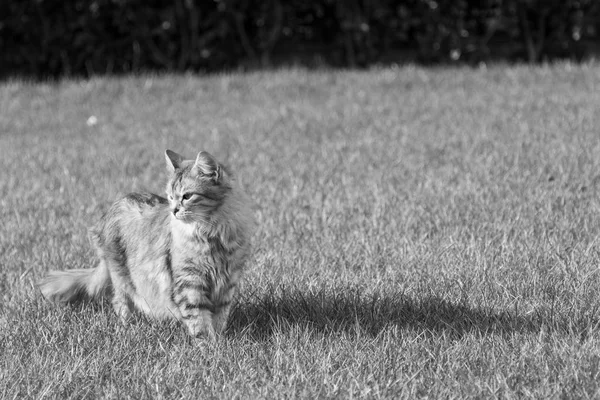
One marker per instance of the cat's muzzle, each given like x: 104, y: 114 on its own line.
x: 177, y: 214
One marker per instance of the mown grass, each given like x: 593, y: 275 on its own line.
x: 421, y: 233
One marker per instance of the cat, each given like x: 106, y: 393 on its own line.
x: 177, y: 258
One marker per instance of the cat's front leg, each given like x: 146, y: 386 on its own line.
x: 220, y: 318
x: 223, y: 300
x: 196, y: 310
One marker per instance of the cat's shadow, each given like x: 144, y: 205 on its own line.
x: 354, y: 313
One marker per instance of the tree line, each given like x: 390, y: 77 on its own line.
x: 53, y: 38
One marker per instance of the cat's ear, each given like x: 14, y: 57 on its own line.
x: 173, y: 159
x: 206, y: 165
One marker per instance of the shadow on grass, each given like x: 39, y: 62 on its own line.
x: 351, y: 311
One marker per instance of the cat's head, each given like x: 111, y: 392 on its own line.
x: 196, y: 188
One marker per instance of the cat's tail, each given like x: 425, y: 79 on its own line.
x: 76, y: 284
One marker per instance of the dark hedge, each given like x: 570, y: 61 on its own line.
x: 52, y: 38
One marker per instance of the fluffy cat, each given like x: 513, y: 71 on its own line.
x: 179, y: 258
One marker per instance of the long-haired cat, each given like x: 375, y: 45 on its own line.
x: 179, y: 258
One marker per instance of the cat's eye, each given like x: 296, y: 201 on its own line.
x: 187, y: 196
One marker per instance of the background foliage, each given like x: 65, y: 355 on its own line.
x: 85, y: 37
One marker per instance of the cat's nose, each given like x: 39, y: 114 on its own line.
x: 176, y: 210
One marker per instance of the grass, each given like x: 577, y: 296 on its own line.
x: 421, y: 233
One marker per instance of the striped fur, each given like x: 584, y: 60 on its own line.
x: 179, y: 258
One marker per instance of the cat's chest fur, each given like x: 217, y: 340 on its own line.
x: 194, y: 249
x: 187, y: 241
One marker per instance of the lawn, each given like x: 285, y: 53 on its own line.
x: 421, y: 232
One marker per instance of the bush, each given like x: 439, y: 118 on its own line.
x: 51, y: 38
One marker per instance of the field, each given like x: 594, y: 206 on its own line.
x: 421, y: 232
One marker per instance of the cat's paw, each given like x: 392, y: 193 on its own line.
x: 201, y: 329
x: 203, y: 341
x: 123, y: 311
